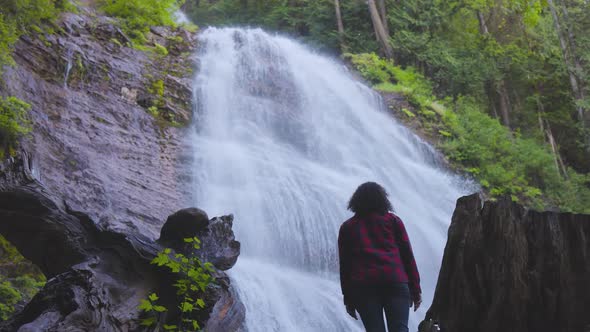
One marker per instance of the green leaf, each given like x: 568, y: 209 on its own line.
x: 209, y: 267
x: 174, y: 266
x: 201, y: 303
x: 153, y: 297
x: 186, y: 307
x: 170, y: 327
x: 161, y: 259
x: 159, y: 308
x: 145, y: 305
x: 148, y: 321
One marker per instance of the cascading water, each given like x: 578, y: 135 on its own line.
x: 283, y: 137
x: 69, y: 55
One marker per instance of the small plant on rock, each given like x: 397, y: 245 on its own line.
x: 194, y: 277
x: 14, y: 123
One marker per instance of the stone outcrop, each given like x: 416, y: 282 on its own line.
x: 94, y: 142
x: 506, y: 268
x: 96, y: 276
x: 217, y: 240
x: 106, y: 163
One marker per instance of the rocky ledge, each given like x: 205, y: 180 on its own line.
x: 97, y: 277
x: 506, y: 268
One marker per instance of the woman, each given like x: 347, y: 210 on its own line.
x: 377, y: 267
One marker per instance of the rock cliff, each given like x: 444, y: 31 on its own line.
x: 506, y: 268
x: 97, y: 277
x: 106, y: 163
x: 94, y: 142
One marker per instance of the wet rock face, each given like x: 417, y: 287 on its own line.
x: 93, y: 143
x: 94, y: 183
x: 97, y: 277
x: 510, y: 269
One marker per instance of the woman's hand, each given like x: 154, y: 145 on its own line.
x: 416, y: 301
x: 351, y: 311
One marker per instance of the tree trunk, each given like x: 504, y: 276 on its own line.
x: 546, y: 131
x: 340, y: 25
x: 382, y: 35
x: 555, y: 150
x: 509, y: 268
x: 572, y: 45
x: 504, y: 103
x: 500, y: 90
x: 383, y: 15
x: 578, y: 94
x: 483, y: 27
x: 579, y: 71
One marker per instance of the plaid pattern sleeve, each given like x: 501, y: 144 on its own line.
x: 344, y: 258
x: 407, y: 256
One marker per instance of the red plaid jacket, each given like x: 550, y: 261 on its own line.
x: 376, y: 250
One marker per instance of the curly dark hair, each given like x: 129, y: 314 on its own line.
x: 370, y: 197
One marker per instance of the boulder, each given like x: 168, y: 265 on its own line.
x: 218, y: 244
x: 98, y: 276
x: 183, y: 224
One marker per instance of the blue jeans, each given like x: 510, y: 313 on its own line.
x: 394, y: 300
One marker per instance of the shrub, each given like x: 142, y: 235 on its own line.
x: 371, y: 66
x: 161, y: 50
x: 18, y: 17
x: 137, y: 16
x: 9, y: 297
x: 194, y: 277
x: 20, y: 280
x: 14, y: 121
x: 8, y: 37
x: 503, y: 162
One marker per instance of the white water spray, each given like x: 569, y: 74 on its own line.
x: 69, y: 56
x: 180, y: 17
x: 283, y: 137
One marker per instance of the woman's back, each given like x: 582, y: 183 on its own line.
x: 378, y: 273
x: 372, y: 247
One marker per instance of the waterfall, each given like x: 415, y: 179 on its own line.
x: 283, y: 136
x: 180, y: 17
x: 68, y: 58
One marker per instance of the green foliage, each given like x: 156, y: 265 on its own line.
x: 8, y: 37
x: 20, y: 280
x: 311, y: 20
x: 505, y: 163
x: 512, y: 54
x: 510, y: 164
x: 14, y: 122
x: 408, y: 113
x: 18, y: 17
x: 16, y: 290
x: 193, y: 278
x: 156, y: 89
x: 372, y: 67
x: 161, y: 50
x: 9, y: 297
x: 384, y: 73
x: 137, y: 16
